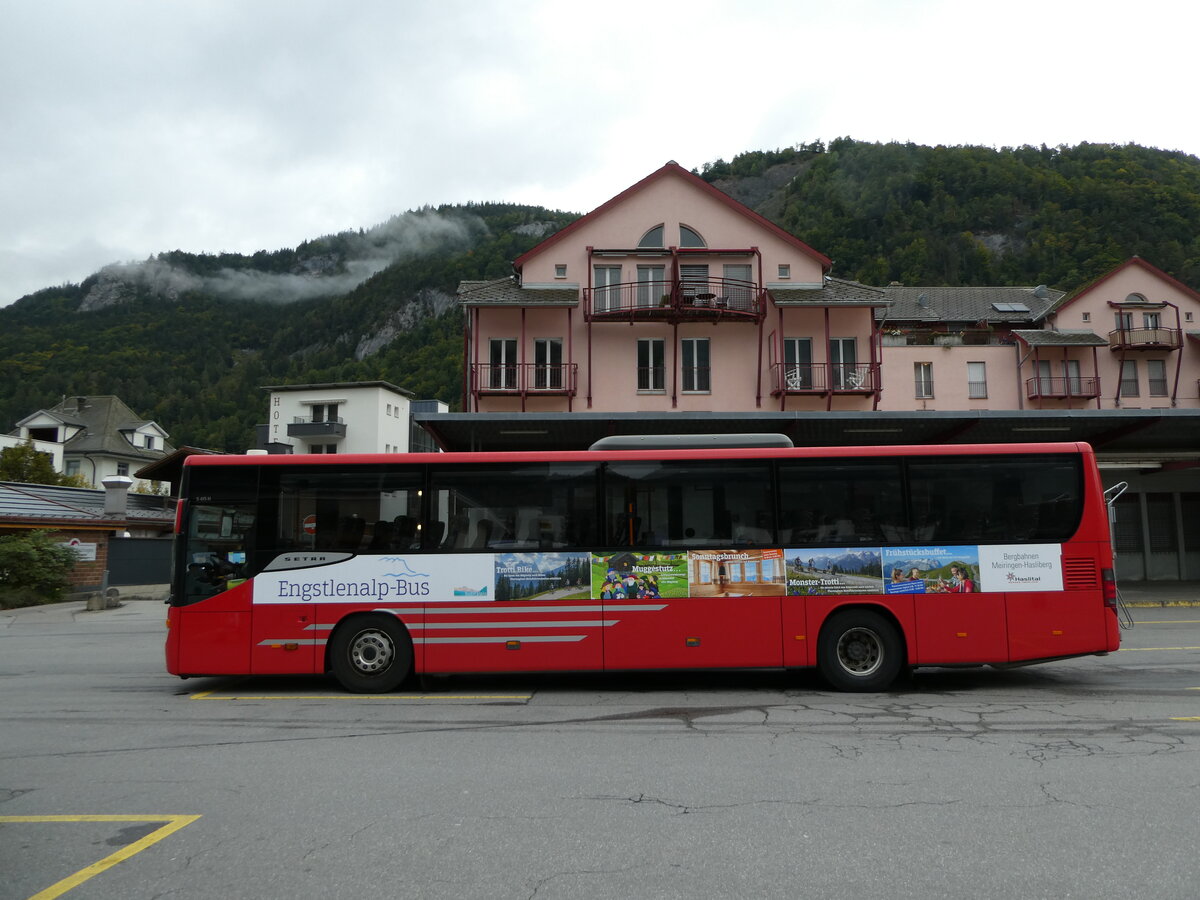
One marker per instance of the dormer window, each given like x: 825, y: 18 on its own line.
x: 690, y: 238
x: 148, y: 441
x: 652, y: 239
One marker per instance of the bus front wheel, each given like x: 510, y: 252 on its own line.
x: 860, y: 650
x: 371, y: 654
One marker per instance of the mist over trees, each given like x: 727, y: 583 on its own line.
x: 189, y: 339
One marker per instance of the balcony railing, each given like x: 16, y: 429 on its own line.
x: 821, y: 378
x: 1048, y: 388
x: 524, y: 378
x: 716, y: 298
x: 1145, y: 339
x: 306, y: 426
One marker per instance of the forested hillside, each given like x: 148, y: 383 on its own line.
x: 182, y: 341
x: 189, y: 339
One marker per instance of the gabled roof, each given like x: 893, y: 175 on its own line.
x: 105, y: 420
x: 673, y: 170
x: 1133, y: 261
x: 969, y: 304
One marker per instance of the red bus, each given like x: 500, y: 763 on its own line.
x: 858, y: 561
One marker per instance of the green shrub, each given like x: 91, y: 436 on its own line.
x: 33, y: 569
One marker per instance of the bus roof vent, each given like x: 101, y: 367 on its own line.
x: 690, y: 441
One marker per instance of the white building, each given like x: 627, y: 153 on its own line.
x: 95, y: 437
x: 353, y: 417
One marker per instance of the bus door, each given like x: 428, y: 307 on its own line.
x: 694, y: 581
x: 211, y: 618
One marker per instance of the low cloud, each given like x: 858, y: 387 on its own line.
x: 326, y: 267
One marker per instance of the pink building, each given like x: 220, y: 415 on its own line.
x: 674, y: 308
x: 671, y: 297
x: 1121, y: 342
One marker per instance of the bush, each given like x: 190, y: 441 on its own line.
x: 33, y: 569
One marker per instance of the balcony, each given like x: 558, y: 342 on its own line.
x: 824, y: 378
x: 717, y: 299
x: 1047, y: 388
x: 523, y: 379
x: 1145, y: 339
x: 307, y: 427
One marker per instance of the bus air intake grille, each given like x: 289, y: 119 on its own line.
x: 1080, y: 574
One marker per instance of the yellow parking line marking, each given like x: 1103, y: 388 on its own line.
x: 170, y: 826
x: 1185, y: 718
x: 1127, y: 649
x: 211, y: 695
x: 1166, y: 622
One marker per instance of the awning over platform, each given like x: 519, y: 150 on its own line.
x: 1157, y: 432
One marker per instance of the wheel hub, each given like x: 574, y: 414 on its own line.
x: 371, y: 652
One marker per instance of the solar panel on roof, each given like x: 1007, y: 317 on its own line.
x: 1010, y: 307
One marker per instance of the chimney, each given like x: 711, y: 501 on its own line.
x: 116, y: 495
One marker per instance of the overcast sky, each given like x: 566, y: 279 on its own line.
x: 131, y: 127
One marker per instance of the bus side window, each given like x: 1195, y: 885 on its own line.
x: 688, y: 503
x: 838, y: 504
x: 533, y: 506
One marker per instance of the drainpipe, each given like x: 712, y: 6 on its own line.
x: 587, y: 318
x: 828, y: 365
x: 1178, y: 355
x: 1020, y: 362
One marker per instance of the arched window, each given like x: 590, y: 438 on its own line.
x: 1136, y: 298
x: 689, y: 238
x: 652, y: 238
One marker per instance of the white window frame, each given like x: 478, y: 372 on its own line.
x: 1128, y: 386
x: 651, y: 365
x: 977, y: 386
x: 843, y: 368
x: 923, y: 380
x: 651, y: 285
x: 697, y: 376
x: 1156, y: 383
x: 797, y: 363
x: 503, y: 364
x: 547, y: 373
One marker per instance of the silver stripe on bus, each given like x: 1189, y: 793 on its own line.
x: 524, y: 639
x: 440, y: 610
x: 307, y: 642
x: 566, y: 623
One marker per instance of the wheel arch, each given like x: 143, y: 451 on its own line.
x: 886, y: 612
x: 348, y: 620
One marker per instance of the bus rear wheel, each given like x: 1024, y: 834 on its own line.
x: 371, y: 654
x: 860, y: 650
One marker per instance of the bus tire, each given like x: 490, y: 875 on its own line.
x: 860, y: 650
x: 371, y: 654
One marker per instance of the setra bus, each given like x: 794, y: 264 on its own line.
x: 860, y: 561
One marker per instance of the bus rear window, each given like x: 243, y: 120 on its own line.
x: 996, y: 500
